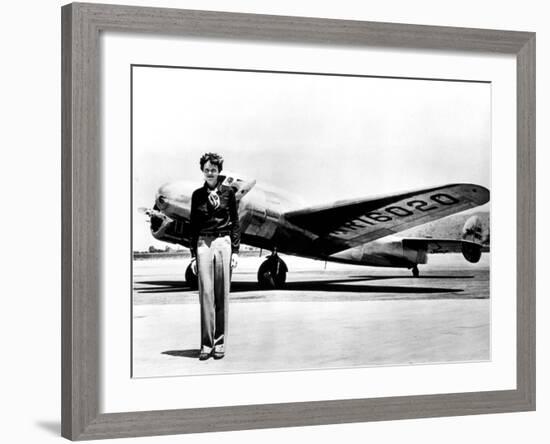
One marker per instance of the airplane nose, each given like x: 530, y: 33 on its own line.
x: 161, y: 202
x: 174, y: 194
x: 164, y: 194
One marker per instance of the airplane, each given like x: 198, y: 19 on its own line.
x: 355, y: 231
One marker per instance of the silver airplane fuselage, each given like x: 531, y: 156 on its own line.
x: 264, y: 225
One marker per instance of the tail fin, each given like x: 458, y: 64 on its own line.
x: 473, y: 230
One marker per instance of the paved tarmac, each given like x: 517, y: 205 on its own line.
x: 340, y: 316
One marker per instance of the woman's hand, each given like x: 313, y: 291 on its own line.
x: 234, y: 260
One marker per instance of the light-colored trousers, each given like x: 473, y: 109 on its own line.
x: 213, y: 266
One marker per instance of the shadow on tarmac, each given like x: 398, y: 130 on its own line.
x: 370, y: 277
x: 191, y: 353
x: 334, y: 287
x: 162, y: 286
x: 330, y: 285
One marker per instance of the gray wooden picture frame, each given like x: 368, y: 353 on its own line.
x: 81, y: 175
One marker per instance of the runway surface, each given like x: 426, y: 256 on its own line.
x: 334, y: 317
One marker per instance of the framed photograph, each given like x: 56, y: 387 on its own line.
x: 278, y: 221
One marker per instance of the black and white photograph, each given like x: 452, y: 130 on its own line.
x: 292, y: 221
x: 286, y: 221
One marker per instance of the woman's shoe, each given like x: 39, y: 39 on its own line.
x: 204, y: 355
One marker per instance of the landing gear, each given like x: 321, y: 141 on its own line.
x: 272, y: 272
x: 191, y: 278
x: 415, y: 271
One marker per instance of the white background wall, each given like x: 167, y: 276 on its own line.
x: 30, y: 186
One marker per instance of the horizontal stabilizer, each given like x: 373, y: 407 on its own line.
x: 434, y: 246
x: 470, y: 250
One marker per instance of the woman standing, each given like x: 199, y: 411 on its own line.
x: 215, y: 239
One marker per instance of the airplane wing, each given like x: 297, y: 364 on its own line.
x: 355, y: 222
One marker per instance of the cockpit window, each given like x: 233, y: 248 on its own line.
x: 241, y: 186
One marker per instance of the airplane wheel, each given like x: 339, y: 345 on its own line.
x: 272, y: 273
x: 191, y: 278
x: 415, y: 271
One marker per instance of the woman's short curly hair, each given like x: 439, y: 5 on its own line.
x: 214, y: 158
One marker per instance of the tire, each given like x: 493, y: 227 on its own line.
x: 272, y: 274
x: 191, y: 278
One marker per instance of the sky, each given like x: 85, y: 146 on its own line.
x: 324, y: 138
